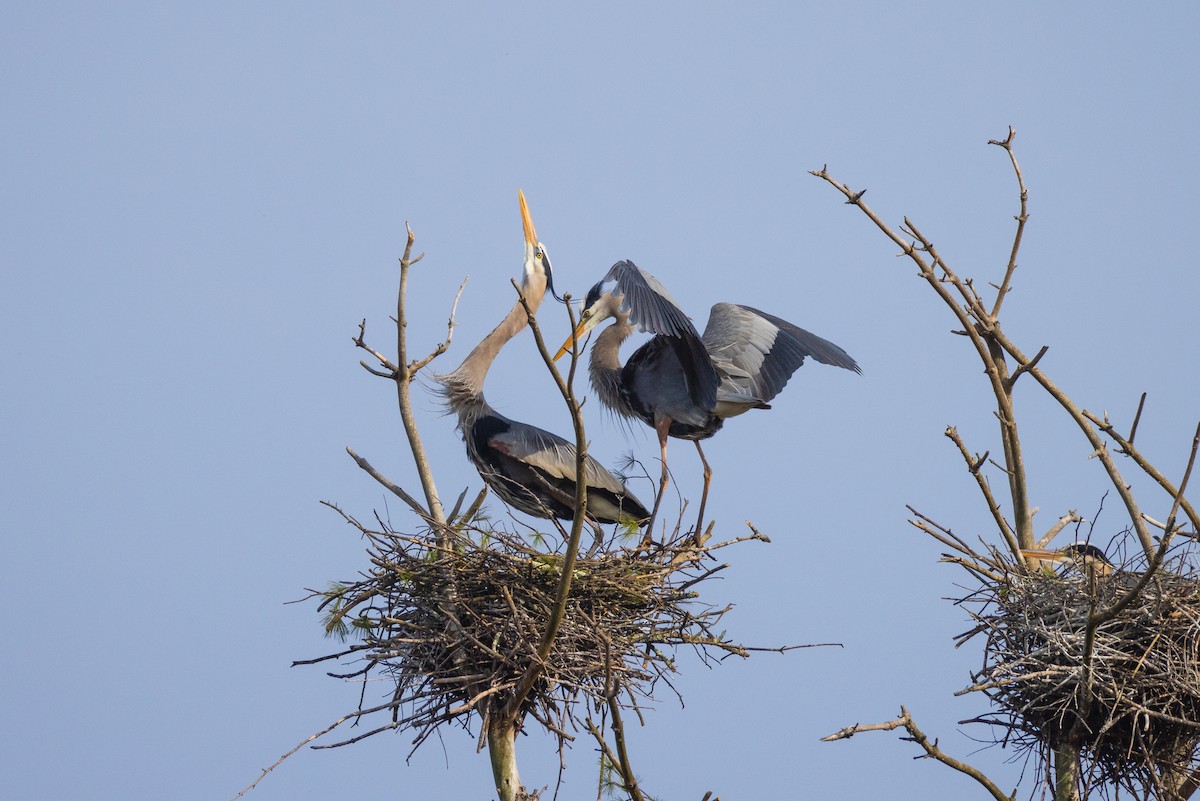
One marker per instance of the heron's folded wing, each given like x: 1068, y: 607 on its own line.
x: 551, y: 455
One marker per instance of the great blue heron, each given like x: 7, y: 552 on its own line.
x: 680, y: 383
x: 530, y: 469
x: 1083, y: 556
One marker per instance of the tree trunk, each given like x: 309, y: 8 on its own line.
x: 1181, y: 778
x: 502, y: 737
x: 1066, y: 773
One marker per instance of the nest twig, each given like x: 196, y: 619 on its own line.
x: 453, y: 629
x: 1061, y: 669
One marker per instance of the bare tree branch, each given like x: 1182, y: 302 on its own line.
x: 1070, y: 517
x: 1125, y: 447
x: 992, y: 348
x: 1021, y: 218
x: 444, y: 345
x: 404, y: 377
x: 1102, y: 453
x: 975, y: 322
x: 973, y: 466
x: 299, y: 745
x: 387, y: 483
x: 932, y: 751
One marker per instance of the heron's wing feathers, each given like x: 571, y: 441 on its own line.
x: 756, y: 353
x: 651, y: 308
x: 552, y: 455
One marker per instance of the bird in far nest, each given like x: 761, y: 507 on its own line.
x: 1082, y: 556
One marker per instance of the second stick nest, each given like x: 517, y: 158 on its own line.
x: 455, y: 630
x: 1106, y: 663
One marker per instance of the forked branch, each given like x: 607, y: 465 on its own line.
x: 931, y: 748
x: 993, y: 346
x: 404, y: 377
x: 980, y: 328
x: 1125, y: 447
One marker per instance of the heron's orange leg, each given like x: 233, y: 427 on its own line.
x: 703, y: 494
x: 661, y: 427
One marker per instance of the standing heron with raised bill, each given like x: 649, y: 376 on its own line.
x: 530, y: 469
x: 680, y: 383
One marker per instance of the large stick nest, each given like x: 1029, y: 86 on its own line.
x: 1095, y: 661
x: 454, y: 630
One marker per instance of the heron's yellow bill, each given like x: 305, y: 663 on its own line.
x: 527, y: 221
x: 1044, y: 559
x: 576, y: 335
x: 1041, y: 553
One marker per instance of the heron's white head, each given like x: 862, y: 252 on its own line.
x: 538, y: 274
x: 601, y: 304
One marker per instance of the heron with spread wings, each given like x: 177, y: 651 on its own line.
x: 680, y: 383
x: 531, y: 469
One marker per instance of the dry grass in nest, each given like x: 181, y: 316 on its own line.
x: 1065, y: 663
x: 453, y: 631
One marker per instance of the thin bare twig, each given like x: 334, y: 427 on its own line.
x: 1021, y: 218
x: 395, y: 489
x: 1070, y: 517
x: 415, y: 366
x: 360, y: 341
x: 1137, y: 418
x: 1125, y: 447
x: 299, y: 745
x: 612, y: 689
x: 973, y: 466
x: 932, y: 750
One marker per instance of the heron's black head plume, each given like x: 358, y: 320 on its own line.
x: 550, y: 276
x: 593, y: 295
x: 1085, y: 550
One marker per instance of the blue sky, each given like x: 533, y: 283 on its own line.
x: 200, y: 203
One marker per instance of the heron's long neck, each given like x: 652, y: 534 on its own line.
x: 464, y: 387
x: 604, y: 368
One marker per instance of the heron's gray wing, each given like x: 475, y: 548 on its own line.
x: 552, y: 455
x: 757, y: 352
x: 651, y: 308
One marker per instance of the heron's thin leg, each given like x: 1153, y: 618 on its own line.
x: 703, y: 494
x: 661, y: 427
x: 599, y: 532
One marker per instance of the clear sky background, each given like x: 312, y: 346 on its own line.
x: 198, y: 205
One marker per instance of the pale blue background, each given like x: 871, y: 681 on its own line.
x: 198, y: 204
